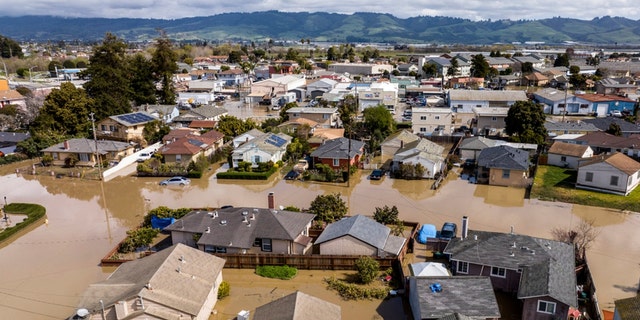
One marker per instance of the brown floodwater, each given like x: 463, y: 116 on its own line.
x: 44, y: 272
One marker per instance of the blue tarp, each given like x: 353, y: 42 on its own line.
x: 426, y: 231
x: 161, y: 223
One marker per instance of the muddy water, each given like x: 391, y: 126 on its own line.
x: 44, y: 272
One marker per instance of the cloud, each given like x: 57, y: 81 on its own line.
x: 468, y: 9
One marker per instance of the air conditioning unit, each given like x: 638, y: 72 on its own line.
x: 243, y: 315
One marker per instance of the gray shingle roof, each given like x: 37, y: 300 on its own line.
x: 487, y: 95
x: 360, y: 227
x: 572, y: 126
x: 629, y: 308
x: 235, y: 233
x: 89, y: 146
x: 156, y: 278
x: 468, y: 295
x: 548, y: 266
x: 338, y: 149
x: 504, y: 157
x: 477, y: 143
x: 208, y: 112
x: 604, y: 123
x: 298, y: 306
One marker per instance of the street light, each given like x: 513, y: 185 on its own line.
x: 30, y: 72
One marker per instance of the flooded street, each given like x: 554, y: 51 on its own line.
x: 45, y: 271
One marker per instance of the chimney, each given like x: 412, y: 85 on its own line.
x: 465, y: 227
x: 401, y: 144
x: 271, y: 201
x: 66, y: 145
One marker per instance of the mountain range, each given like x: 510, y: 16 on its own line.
x: 331, y: 27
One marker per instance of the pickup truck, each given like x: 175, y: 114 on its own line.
x: 301, y: 166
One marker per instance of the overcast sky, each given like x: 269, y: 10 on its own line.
x: 468, y: 9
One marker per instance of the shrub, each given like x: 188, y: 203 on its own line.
x: 351, y: 291
x: 137, y: 238
x: 224, y: 290
x: 277, y: 272
x: 33, y: 211
x: 368, y: 269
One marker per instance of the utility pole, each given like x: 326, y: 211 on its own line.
x: 93, y: 125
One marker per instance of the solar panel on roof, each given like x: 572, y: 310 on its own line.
x: 276, y: 141
x: 135, y: 118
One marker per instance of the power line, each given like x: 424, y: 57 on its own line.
x: 36, y: 300
x: 29, y: 311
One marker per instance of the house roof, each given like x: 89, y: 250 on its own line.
x: 553, y: 94
x: 536, y: 76
x: 429, y: 269
x: 14, y: 136
x: 548, y: 266
x: 88, y: 146
x: 422, y: 145
x: 469, y: 295
x: 179, y: 277
x: 617, y: 160
x: 604, y: 123
x: 269, y: 142
x: 208, y: 112
x: 203, y: 124
x: 490, y: 112
x: 165, y: 109
x: 298, y: 306
x: 594, y: 97
x: 303, y: 110
x: 581, y: 126
x: 360, y: 227
x: 338, y: 149
x: 455, y: 316
x: 133, y: 118
x: 175, y: 134
x: 192, y: 144
x: 487, y: 95
x: 227, y: 227
x: 477, y: 143
x: 504, y: 157
x: 11, y: 95
x: 400, y: 138
x: 628, y: 308
x: 322, y: 134
x: 568, y: 149
x: 605, y: 140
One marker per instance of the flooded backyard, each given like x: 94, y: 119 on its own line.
x: 45, y: 271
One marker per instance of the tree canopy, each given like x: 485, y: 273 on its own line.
x: 479, y: 66
x: 328, y: 207
x: 525, y: 123
x: 164, y: 65
x: 65, y: 111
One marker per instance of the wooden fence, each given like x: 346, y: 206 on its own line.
x: 310, y: 262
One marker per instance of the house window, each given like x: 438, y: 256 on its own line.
x: 55, y: 155
x: 103, y: 127
x: 506, y: 173
x: 546, y: 307
x: 209, y: 248
x: 589, y: 177
x: 83, y: 156
x: 494, y: 118
x: 257, y: 242
x: 336, y: 162
x: 498, y: 272
x: 256, y: 159
x: 325, y: 116
x: 423, y: 117
x: 478, y: 106
x: 437, y: 117
x: 266, y: 245
x: 614, y: 181
x: 221, y: 250
x: 460, y: 106
x: 178, y: 157
x: 462, y: 267
x: 423, y: 129
x: 563, y: 159
x: 112, y: 128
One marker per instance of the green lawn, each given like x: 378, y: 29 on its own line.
x: 557, y: 184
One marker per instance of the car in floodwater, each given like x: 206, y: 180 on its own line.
x: 176, y: 181
x: 376, y: 174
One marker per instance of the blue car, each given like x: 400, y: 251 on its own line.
x: 449, y: 231
x: 376, y: 174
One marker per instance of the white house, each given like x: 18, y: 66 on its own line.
x: 423, y: 152
x: 466, y: 100
x: 264, y: 148
x: 610, y: 173
x: 427, y: 121
x: 567, y: 155
x: 246, y: 137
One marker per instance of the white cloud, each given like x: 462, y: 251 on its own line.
x: 468, y: 9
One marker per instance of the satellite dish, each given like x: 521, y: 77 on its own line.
x: 82, y: 313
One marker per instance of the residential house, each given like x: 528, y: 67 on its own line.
x: 124, y: 127
x: 377, y: 93
x: 325, y: 117
x: 556, y: 128
x: 178, y: 133
x: 208, y: 112
x: 602, y: 142
x: 500, y: 63
x: 406, y: 69
x: 291, y: 127
x: 359, y: 236
x: 176, y: 283
x: 466, y: 100
x: 246, y: 137
x: 320, y: 135
x: 627, y: 309
x: 503, y: 166
x: 490, y: 121
x: 432, y: 121
x: 189, y: 148
x: 424, y: 152
x: 536, y: 79
x: 567, y: 155
x: 471, y: 147
x: 394, y: 142
x: 233, y: 77
x: 203, y: 125
x: 443, y: 297
x: 339, y: 153
x: 9, y: 141
x: 540, y: 272
x: 84, y: 150
x: 298, y: 306
x: 204, y: 86
x: 277, y: 86
x: 627, y: 128
x: 244, y: 230
x: 601, y: 104
x: 12, y: 97
x: 429, y: 269
x: 617, y: 86
x: 535, y: 62
x: 319, y: 87
x: 165, y: 112
x: 264, y: 148
x: 611, y: 173
x: 442, y: 65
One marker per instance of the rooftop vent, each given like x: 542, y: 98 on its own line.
x: 208, y: 230
x: 244, y: 213
x: 513, y: 245
x: 223, y: 222
x: 182, y: 259
x: 253, y: 216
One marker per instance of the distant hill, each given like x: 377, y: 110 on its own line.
x: 358, y: 27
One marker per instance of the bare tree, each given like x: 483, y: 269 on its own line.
x: 581, y: 236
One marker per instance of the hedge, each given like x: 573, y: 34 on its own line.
x: 277, y: 272
x: 33, y: 211
x: 246, y: 175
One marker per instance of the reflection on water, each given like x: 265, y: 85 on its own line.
x: 51, y: 265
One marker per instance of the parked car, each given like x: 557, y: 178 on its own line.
x: 448, y: 231
x: 376, y: 174
x: 180, y: 181
x: 144, y: 156
x: 616, y: 113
